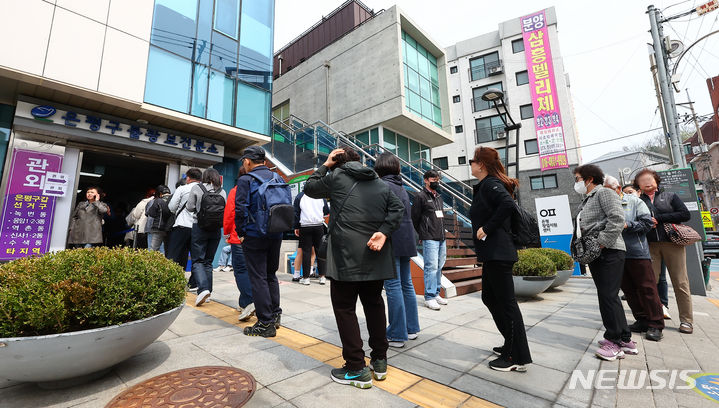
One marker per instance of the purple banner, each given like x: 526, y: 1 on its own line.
x: 28, y: 213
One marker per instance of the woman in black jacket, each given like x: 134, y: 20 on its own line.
x: 160, y: 219
x: 491, y: 213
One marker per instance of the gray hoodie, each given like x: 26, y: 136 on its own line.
x: 639, y: 222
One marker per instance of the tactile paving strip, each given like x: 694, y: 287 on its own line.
x: 198, y: 387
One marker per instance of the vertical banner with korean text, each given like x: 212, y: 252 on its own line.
x: 543, y: 88
x: 29, y: 204
x: 555, y: 224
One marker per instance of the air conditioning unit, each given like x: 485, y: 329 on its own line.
x: 501, y: 135
x: 495, y: 70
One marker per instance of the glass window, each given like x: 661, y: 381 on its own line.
x: 550, y: 181
x: 389, y: 140
x: 253, y: 105
x: 537, y: 183
x: 531, y: 147
x: 461, y: 160
x: 424, y: 152
x: 427, y: 109
x: 522, y: 78
x: 282, y: 112
x: 517, y: 45
x: 421, y: 81
x: 543, y: 182
x: 453, y: 70
x: 502, y: 152
x: 227, y: 17
x: 362, y: 138
x: 480, y: 67
x: 199, y: 90
x: 413, y: 77
x: 435, y: 96
x: 414, y: 149
x: 424, y: 89
x: 224, y: 54
x: 458, y: 129
x: 174, y: 26
x: 477, y: 103
x: 403, y: 147
x: 455, y: 99
x: 412, y: 57
x: 488, y: 129
x: 415, y: 103
x: 433, y: 74
x: 219, y: 100
x: 256, y: 42
x: 374, y: 136
x: 168, y: 80
x: 437, y: 115
x: 204, y: 32
x: 441, y: 162
x: 526, y: 111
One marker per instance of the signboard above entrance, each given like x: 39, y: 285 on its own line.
x: 113, y: 128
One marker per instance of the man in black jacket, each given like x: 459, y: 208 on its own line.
x: 428, y: 220
x: 363, y: 214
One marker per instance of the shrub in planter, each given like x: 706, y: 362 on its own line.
x: 533, y: 263
x: 83, y: 289
x: 562, y: 260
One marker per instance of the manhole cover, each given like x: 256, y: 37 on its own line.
x: 206, y: 387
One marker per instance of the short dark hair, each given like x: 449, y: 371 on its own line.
x: 96, y: 188
x: 162, y: 190
x: 194, y: 173
x: 387, y: 163
x: 212, y: 176
x: 628, y: 185
x: 257, y: 161
x: 349, y: 155
x: 591, y: 171
x: 654, y: 174
x: 431, y: 174
x: 181, y: 182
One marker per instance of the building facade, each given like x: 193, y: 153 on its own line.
x: 499, y: 59
x: 124, y: 95
x: 624, y: 166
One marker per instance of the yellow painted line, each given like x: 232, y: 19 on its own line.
x: 715, y: 301
x: 413, y: 388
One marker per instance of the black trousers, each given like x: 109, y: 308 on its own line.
x: 178, y: 248
x: 311, y: 237
x: 262, y: 256
x: 498, y: 296
x: 640, y: 287
x: 344, y: 302
x: 607, y: 271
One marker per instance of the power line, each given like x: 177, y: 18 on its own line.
x: 615, y: 139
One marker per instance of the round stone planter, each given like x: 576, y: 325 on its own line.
x: 57, y: 357
x: 562, y: 278
x: 530, y: 286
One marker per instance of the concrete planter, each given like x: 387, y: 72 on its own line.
x: 530, y: 286
x: 63, y: 356
x: 562, y: 278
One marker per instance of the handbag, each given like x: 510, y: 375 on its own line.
x: 681, y: 234
x: 322, y: 253
x: 585, y: 249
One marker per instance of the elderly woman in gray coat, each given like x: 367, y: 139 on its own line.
x: 86, y: 222
x: 601, y: 215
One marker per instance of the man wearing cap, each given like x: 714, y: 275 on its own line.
x: 262, y: 252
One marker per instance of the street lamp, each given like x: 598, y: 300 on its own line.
x: 496, y: 97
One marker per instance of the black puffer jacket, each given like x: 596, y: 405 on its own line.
x: 492, y: 209
x: 159, y: 212
x: 666, y: 208
x: 424, y: 215
x: 404, y: 240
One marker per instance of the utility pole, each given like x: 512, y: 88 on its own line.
x: 667, y: 96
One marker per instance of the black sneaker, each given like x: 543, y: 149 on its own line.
x: 297, y: 279
x: 360, y: 379
x: 278, y: 320
x: 654, y: 334
x: 379, y: 368
x: 503, y: 364
x: 639, y: 326
x: 260, y: 330
x: 498, y: 350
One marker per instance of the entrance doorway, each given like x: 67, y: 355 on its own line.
x: 124, y: 181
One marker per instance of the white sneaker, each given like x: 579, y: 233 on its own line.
x: 323, y: 280
x: 396, y: 344
x: 218, y: 269
x: 441, y: 300
x: 432, y: 304
x: 666, y: 312
x: 412, y: 336
x: 202, y: 297
x: 305, y: 281
x: 247, y: 312
x: 227, y: 268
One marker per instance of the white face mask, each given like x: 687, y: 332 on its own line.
x: 580, y: 187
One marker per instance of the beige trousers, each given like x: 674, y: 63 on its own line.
x: 675, y: 259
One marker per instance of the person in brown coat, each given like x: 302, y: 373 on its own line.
x: 86, y: 222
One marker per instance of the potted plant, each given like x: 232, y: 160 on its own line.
x: 73, y: 313
x: 562, y: 261
x: 532, y: 273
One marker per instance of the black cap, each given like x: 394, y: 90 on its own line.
x: 253, y: 153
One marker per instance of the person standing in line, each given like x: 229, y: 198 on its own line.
x: 239, y: 266
x: 363, y: 215
x: 401, y: 298
x: 638, y: 282
x: 207, y: 201
x: 428, y: 220
x: 261, y: 249
x: 137, y: 219
x: 601, y: 215
x: 309, y: 227
x: 159, y: 219
x: 491, y: 213
x: 86, y: 221
x: 667, y: 207
x: 181, y: 232
x: 224, y: 263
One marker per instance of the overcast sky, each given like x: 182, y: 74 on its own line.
x: 603, y: 45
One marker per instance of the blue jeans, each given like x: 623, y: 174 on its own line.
x: 203, y: 245
x: 242, y: 278
x: 225, y: 259
x: 663, y: 287
x: 401, y: 302
x: 435, y: 254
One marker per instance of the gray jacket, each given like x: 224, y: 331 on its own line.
x: 639, y: 222
x: 195, y: 198
x: 601, y: 212
x: 86, y: 223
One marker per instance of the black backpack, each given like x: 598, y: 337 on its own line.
x: 212, y: 210
x: 525, y: 229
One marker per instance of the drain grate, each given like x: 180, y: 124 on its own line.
x: 206, y: 387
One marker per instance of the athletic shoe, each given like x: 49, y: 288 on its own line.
x: 296, y: 276
x: 686, y: 328
x: 504, y: 364
x: 379, y: 369
x: 218, y: 269
x: 639, y: 326
x: 227, y: 268
x: 432, y: 304
x: 396, y: 344
x: 278, y: 320
x: 609, y: 351
x: 314, y: 273
x: 247, y: 313
x: 202, y: 297
x: 441, y: 300
x: 305, y: 281
x: 665, y: 310
x: 498, y: 350
x: 654, y: 334
x: 360, y: 379
x: 413, y: 336
x: 323, y: 280
x: 260, y: 330
x: 629, y: 347
x: 194, y: 290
